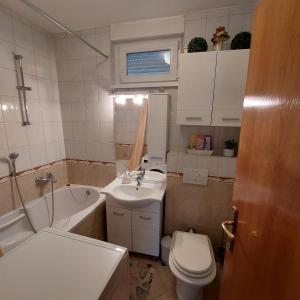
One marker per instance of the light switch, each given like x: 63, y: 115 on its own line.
x: 195, y: 176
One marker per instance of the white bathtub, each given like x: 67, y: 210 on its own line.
x: 72, y: 205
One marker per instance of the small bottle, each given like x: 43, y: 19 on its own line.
x: 200, y: 142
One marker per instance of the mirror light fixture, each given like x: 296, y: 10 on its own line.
x: 137, y: 99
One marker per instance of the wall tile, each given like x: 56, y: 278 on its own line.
x: 6, y: 32
x: 7, y: 55
x: 38, y: 155
x: 16, y: 135
x: 3, y: 139
x: 11, y: 109
x: 35, y: 133
x: 23, y: 34
x: 8, y: 82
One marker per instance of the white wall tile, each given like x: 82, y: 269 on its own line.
x: 93, y: 151
x: 11, y: 110
x: 43, y: 66
x: 78, y: 111
x: 16, y: 135
x: 7, y: 55
x: 45, y: 89
x: 107, y: 152
x: 8, y: 82
x: 38, y: 155
x: 3, y: 139
x: 35, y: 133
x: 23, y: 34
x: 68, y: 131
x: 6, y: 32
x: 4, y: 162
x: 41, y: 42
x: 52, y: 151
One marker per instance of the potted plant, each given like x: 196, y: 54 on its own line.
x: 197, y: 44
x: 241, y: 41
x: 230, y: 147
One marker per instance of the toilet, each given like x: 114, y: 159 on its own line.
x: 192, y: 262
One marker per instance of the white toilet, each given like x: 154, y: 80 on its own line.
x: 192, y: 262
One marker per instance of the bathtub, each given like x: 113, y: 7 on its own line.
x: 72, y: 205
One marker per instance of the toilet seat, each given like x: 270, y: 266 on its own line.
x: 204, y: 270
x: 192, y: 254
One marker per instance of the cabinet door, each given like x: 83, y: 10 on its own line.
x: 145, y: 232
x: 230, y: 84
x: 119, y: 226
x: 196, y: 86
x: 157, y: 127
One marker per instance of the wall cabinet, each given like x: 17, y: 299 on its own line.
x: 211, y: 88
x: 196, y: 86
x: 139, y: 230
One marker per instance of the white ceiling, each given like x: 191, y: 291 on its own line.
x: 83, y: 14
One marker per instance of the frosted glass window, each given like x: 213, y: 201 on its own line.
x: 149, y: 62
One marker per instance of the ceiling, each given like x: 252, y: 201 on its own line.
x: 83, y: 14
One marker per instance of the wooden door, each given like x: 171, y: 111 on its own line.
x: 265, y: 261
x: 230, y: 84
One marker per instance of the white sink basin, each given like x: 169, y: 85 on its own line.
x: 152, y: 189
x: 132, y: 192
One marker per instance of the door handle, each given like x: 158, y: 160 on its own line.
x: 145, y: 218
x: 230, y: 232
x: 118, y: 214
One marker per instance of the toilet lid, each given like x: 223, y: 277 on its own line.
x: 192, y: 252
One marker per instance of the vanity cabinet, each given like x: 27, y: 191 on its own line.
x: 139, y: 230
x: 119, y: 226
x: 211, y: 88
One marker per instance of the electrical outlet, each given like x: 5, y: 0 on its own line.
x: 195, y: 176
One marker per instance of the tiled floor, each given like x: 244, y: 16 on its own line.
x: 163, y: 285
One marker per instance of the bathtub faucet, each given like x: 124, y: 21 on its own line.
x: 44, y: 179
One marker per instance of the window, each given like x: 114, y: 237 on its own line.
x: 149, y: 61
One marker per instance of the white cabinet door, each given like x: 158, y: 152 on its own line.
x: 157, y: 127
x: 196, y: 87
x: 145, y: 232
x: 230, y: 84
x: 119, y: 226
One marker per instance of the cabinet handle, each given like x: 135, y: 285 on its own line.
x: 118, y: 214
x: 193, y: 118
x: 145, y: 218
x: 231, y: 119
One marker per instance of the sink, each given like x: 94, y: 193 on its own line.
x: 131, y: 195
x: 132, y: 192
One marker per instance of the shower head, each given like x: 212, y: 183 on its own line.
x: 13, y: 155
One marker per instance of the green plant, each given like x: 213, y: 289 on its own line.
x: 241, y: 41
x: 197, y: 44
x: 230, y: 144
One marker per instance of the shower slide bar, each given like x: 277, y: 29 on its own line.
x: 61, y: 26
x: 22, y: 89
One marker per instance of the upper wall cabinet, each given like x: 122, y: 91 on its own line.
x: 230, y: 84
x: 196, y: 86
x: 211, y: 88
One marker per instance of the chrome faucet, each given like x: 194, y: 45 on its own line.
x: 44, y: 179
x: 140, y: 177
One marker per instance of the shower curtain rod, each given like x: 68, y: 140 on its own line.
x: 64, y: 28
